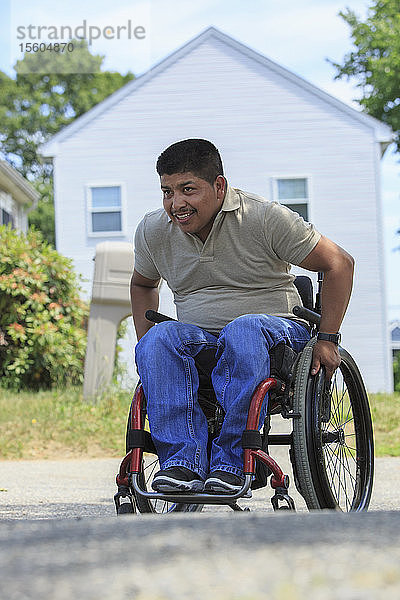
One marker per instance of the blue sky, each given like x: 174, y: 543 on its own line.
x: 298, y: 34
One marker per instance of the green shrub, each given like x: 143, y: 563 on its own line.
x: 42, y: 318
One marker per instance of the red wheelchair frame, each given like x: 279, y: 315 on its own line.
x: 132, y: 463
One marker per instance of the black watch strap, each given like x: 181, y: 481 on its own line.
x: 329, y: 337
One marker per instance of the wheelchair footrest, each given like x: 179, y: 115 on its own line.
x: 124, y: 492
x: 281, y: 495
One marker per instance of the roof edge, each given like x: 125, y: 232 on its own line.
x: 17, y: 185
x: 307, y: 85
x: 383, y: 132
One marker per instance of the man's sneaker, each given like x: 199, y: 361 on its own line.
x: 220, y: 482
x: 177, y: 479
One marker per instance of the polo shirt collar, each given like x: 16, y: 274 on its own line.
x: 231, y: 200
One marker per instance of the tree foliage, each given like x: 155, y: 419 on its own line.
x: 42, y: 217
x: 375, y: 61
x: 42, y: 318
x: 49, y: 91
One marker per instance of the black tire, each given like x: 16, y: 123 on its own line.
x: 150, y: 465
x: 333, y: 448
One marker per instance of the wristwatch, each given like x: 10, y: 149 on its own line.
x: 329, y: 337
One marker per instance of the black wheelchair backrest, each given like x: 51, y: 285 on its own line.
x: 305, y: 289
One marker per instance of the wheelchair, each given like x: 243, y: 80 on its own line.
x: 331, y: 446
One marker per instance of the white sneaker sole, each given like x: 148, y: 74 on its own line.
x: 216, y: 486
x: 169, y: 485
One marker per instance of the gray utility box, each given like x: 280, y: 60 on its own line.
x: 110, y: 304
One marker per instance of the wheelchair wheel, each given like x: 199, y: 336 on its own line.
x: 333, y: 449
x: 150, y: 466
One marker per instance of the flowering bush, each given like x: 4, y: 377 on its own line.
x: 42, y: 318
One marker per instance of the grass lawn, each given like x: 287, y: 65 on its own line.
x: 385, y: 409
x: 59, y: 424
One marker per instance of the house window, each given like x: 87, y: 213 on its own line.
x: 6, y: 218
x: 293, y: 193
x: 105, y: 209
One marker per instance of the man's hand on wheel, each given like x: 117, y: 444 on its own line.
x: 327, y: 354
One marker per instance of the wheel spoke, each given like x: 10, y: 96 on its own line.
x: 345, y: 422
x: 342, y: 481
x: 348, y: 468
x: 335, y: 455
x: 332, y: 479
x: 344, y: 478
x: 340, y: 407
x: 334, y: 396
x: 349, y: 479
x: 338, y: 404
x: 330, y: 467
x: 348, y: 412
x: 154, y: 464
x: 341, y: 474
x: 338, y: 476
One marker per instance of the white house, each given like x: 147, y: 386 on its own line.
x: 17, y: 197
x: 279, y: 136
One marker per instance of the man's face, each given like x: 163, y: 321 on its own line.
x: 191, y: 202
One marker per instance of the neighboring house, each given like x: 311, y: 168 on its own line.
x: 17, y: 197
x: 279, y: 136
x: 395, y: 336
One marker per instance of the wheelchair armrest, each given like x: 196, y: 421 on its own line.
x: 156, y: 317
x: 307, y: 314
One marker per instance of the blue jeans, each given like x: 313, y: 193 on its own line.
x: 166, y: 366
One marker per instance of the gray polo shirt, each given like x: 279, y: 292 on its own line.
x: 243, y: 267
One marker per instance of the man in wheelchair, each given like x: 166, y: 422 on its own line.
x: 226, y: 256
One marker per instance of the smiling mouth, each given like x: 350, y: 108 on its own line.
x: 183, y: 217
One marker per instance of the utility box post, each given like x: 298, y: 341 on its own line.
x: 110, y: 304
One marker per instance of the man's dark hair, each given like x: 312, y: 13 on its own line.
x: 200, y: 157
